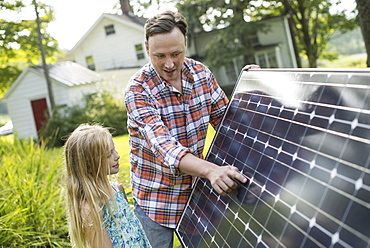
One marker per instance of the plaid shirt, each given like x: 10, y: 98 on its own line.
x: 164, y: 125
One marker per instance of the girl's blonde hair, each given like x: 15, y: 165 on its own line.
x: 86, y: 157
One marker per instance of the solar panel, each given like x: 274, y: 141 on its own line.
x: 302, y: 138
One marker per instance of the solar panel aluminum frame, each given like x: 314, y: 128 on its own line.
x: 302, y: 138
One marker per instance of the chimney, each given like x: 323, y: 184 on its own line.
x: 125, y: 6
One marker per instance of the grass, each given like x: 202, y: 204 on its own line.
x: 32, y: 211
x: 32, y: 208
x: 345, y: 61
x: 122, y: 146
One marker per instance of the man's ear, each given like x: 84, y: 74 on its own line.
x: 147, y: 48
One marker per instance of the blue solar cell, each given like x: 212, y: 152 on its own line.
x: 302, y: 138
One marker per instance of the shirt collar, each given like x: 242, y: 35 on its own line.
x: 156, y: 83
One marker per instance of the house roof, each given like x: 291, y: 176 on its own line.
x: 70, y: 73
x: 125, y: 19
x: 132, y: 18
x: 66, y: 73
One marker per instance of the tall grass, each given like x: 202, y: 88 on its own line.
x: 32, y: 210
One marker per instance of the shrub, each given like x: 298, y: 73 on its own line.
x: 97, y: 108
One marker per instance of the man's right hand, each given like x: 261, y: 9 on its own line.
x: 221, y: 177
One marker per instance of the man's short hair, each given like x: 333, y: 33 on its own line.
x: 165, y: 23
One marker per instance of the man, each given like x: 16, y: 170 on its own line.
x: 170, y: 102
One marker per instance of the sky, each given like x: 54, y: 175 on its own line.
x: 73, y: 18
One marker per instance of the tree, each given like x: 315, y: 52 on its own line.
x: 143, y: 8
x: 19, y: 41
x: 314, y: 22
x: 230, y: 44
x: 363, y: 18
x: 234, y: 41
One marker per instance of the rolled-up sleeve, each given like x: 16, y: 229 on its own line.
x: 149, y: 131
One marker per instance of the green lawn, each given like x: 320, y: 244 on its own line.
x: 345, y: 61
x: 123, y: 149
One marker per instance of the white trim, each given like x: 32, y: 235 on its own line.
x: 278, y: 56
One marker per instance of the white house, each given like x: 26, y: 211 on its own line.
x: 113, y: 42
x: 28, y: 99
x: 273, y: 49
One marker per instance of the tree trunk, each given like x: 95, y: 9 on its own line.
x: 249, y: 56
x: 43, y: 58
x: 293, y: 33
x: 245, y: 36
x: 363, y: 7
x: 294, y: 41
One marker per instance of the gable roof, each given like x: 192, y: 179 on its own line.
x: 70, y: 73
x: 66, y: 73
x: 125, y: 19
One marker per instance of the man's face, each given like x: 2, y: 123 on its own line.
x: 167, y: 54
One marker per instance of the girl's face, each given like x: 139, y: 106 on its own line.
x: 113, y: 157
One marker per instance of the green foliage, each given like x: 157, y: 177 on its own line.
x: 347, y: 43
x: 314, y: 23
x: 32, y: 210
x: 98, y: 108
x: 19, y: 47
x: 234, y: 39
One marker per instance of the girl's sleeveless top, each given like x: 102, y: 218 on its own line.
x: 123, y: 228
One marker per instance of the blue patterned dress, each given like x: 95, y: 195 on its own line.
x: 124, y: 229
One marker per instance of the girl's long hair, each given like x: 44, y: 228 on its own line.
x: 86, y: 157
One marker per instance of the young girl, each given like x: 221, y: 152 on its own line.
x: 98, y: 212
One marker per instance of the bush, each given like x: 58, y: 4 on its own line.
x: 32, y: 210
x: 99, y: 108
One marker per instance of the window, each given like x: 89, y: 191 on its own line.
x: 233, y: 70
x: 231, y: 73
x: 109, y: 30
x: 90, y: 63
x: 139, y: 51
x: 267, y: 59
x: 255, y: 40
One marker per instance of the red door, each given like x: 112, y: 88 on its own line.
x: 39, y: 108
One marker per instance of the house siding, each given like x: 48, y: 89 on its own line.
x: 111, y: 51
x: 279, y: 33
x: 77, y: 94
x: 31, y: 85
x: 19, y: 103
x: 60, y: 94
